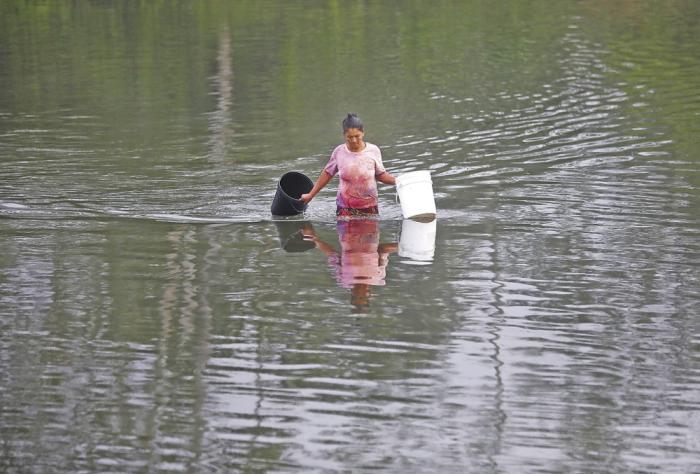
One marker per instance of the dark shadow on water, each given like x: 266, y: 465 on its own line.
x: 291, y: 235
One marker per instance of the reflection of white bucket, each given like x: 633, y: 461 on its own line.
x: 415, y: 191
x: 417, y: 240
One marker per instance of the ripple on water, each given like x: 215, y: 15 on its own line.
x: 149, y: 324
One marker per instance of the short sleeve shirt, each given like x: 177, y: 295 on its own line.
x: 357, y: 172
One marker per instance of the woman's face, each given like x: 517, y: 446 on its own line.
x: 355, y: 139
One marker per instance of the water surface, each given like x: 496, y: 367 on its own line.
x: 155, y: 318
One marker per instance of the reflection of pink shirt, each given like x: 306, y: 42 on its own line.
x: 360, y: 260
x: 357, y: 172
x: 368, y: 268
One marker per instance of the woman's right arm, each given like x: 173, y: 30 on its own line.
x: 321, y: 182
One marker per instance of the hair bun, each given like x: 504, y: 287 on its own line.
x: 352, y: 121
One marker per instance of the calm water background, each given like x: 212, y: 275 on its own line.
x: 150, y: 320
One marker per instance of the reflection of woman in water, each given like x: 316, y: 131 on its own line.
x: 362, y: 260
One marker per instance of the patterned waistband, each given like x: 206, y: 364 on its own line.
x: 352, y: 212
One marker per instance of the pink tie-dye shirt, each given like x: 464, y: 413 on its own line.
x: 357, y: 172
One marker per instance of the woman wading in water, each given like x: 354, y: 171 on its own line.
x: 359, y: 166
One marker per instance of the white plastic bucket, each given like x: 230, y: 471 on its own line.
x: 415, y: 191
x: 417, y: 241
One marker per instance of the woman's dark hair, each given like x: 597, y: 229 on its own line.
x: 352, y: 121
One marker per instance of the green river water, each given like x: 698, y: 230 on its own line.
x: 154, y: 317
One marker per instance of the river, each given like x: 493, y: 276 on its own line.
x: 154, y: 317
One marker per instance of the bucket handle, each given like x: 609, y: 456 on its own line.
x: 396, y: 195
